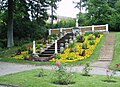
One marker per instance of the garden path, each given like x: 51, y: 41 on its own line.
x: 98, y: 67
x: 106, y: 53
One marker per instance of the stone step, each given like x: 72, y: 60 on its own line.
x: 45, y: 55
x: 104, y: 59
x: 48, y: 52
x: 52, y: 49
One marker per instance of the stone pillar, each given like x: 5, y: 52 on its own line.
x: 107, y: 27
x: 66, y: 43
x: 56, y: 52
x: 61, y: 48
x: 34, y: 47
x: 47, y: 45
x: 49, y: 31
x: 92, y: 28
x: 76, y: 22
x: 74, y: 38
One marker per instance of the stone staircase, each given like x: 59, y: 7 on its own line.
x: 51, y: 50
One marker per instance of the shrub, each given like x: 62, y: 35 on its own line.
x: 91, y: 38
x: 86, y: 69
x: 84, y: 46
x: 30, y: 51
x: 18, y: 52
x: 92, y: 42
x: 52, y: 37
x: 87, y: 33
x: 41, y: 73
x: 25, y: 57
x: 83, y: 53
x: 0, y: 49
x: 57, y: 56
x: 71, y: 46
x: 62, y: 77
x: 80, y: 39
x: 24, y: 48
x: 96, y: 34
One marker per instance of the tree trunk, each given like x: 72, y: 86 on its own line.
x: 10, y: 42
x: 52, y: 18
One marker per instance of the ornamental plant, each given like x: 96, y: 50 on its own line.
x: 86, y: 69
x: 61, y: 76
x: 80, y: 39
x: 57, y: 56
x: 88, y: 33
x: 92, y: 42
x: 83, y: 53
x: 110, y: 74
x: 41, y: 73
x: 71, y: 46
x: 96, y: 34
x: 91, y: 38
x: 84, y: 46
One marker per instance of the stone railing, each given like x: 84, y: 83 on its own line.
x: 93, y: 28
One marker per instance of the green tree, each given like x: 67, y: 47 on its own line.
x: 53, y: 5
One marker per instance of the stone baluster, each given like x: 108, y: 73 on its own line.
x: 61, y: 48
x: 66, y: 43
x: 34, y: 47
x: 74, y: 38
x: 56, y: 52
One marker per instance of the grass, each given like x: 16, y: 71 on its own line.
x: 31, y: 79
x: 92, y: 58
x: 116, y: 56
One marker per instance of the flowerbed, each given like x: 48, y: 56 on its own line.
x: 68, y: 56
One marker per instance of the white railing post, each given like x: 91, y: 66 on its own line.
x: 49, y: 31
x: 60, y: 29
x: 76, y: 22
x: 34, y: 47
x: 106, y: 27
x: 92, y: 28
x: 56, y: 52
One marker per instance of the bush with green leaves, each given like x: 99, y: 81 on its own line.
x: 61, y: 76
x: 80, y: 38
x: 57, y: 56
x: 84, y: 46
x: 24, y: 48
x: 86, y: 69
x: 91, y: 38
x: 71, y: 46
x: 25, y: 56
x: 52, y: 37
x: 88, y: 33
x: 41, y: 73
x: 92, y: 42
x: 96, y: 34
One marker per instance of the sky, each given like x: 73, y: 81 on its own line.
x: 66, y: 8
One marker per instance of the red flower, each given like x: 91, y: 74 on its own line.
x: 117, y: 65
x: 58, y: 64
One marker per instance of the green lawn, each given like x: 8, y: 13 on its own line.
x: 116, y: 56
x: 30, y: 79
x: 93, y: 57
